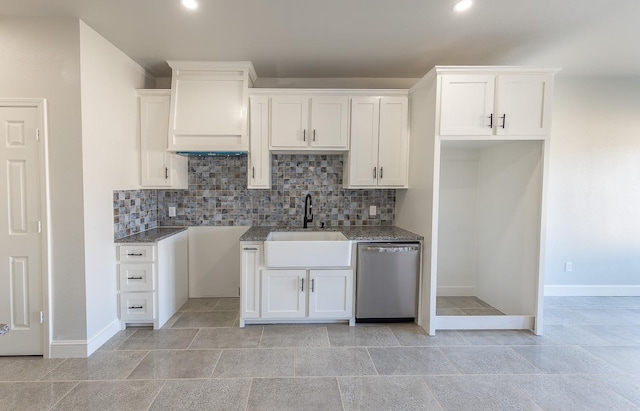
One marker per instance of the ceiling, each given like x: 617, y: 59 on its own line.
x: 363, y: 38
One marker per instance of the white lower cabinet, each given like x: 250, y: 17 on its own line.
x: 313, y: 294
x: 152, y: 280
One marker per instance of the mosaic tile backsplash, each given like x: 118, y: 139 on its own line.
x: 134, y: 211
x: 218, y: 195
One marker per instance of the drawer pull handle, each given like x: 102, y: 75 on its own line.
x: 491, y: 120
x: 136, y: 307
x: 304, y: 135
x: 134, y: 278
x: 313, y: 282
x: 250, y: 249
x: 504, y: 120
x: 302, y: 285
x: 135, y: 254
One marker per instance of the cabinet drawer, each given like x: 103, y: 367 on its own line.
x: 136, y: 276
x: 136, y: 306
x: 129, y: 253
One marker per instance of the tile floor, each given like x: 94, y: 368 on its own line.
x: 588, y: 359
x: 464, y: 306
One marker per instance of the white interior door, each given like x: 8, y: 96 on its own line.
x: 20, y: 232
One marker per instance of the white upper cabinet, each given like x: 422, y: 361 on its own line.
x: 209, y: 105
x: 378, y: 157
x: 158, y: 167
x: 495, y: 104
x: 303, y: 122
x: 259, y: 158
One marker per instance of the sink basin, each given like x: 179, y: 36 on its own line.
x: 307, y: 249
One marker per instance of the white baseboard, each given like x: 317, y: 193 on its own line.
x: 103, y: 336
x: 69, y: 349
x: 592, y: 290
x: 83, y: 348
x: 456, y: 291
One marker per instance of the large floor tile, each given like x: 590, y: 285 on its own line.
x: 120, y: 337
x: 597, y: 315
x: 159, y: 339
x: 573, y: 335
x: 625, y: 358
x: 215, y: 394
x: 565, y: 360
x: 32, y: 395
x: 478, y: 393
x: 570, y: 392
x: 386, y: 393
x: 333, y: 361
x: 411, y: 361
x: 101, y: 365
x: 564, y: 316
x: 412, y: 335
x: 248, y: 337
x: 500, y: 337
x: 294, y: 336
x: 268, y: 362
x: 460, y: 302
x: 488, y: 360
x: 626, y: 385
x: 199, y: 305
x: 227, y: 304
x: 343, y: 335
x: 176, y: 364
x: 280, y: 394
x: 110, y: 395
x: 206, y: 319
x: 26, y: 368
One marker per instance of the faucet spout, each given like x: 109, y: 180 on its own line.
x: 308, y: 211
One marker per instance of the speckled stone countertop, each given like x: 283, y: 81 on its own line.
x: 4, y: 328
x: 355, y: 233
x: 150, y: 236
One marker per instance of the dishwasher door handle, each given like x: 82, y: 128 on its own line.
x: 382, y: 249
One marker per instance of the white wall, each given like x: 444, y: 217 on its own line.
x: 40, y: 58
x: 110, y: 156
x: 594, y: 188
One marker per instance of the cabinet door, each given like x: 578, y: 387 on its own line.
x: 523, y: 105
x: 250, y: 280
x: 363, y: 155
x: 393, y: 142
x: 289, y: 122
x: 330, y: 293
x: 329, y: 122
x: 158, y: 167
x: 259, y: 159
x: 284, y: 293
x: 466, y: 105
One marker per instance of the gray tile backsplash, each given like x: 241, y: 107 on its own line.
x: 134, y: 211
x: 218, y: 196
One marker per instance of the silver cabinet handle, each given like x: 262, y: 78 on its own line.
x: 134, y: 278
x: 166, y: 173
x: 250, y: 249
x: 253, y: 172
x: 136, y: 307
x: 304, y: 135
x: 381, y: 170
x: 314, y: 135
x: 313, y: 281
x: 374, y: 172
x: 135, y: 254
x: 302, y: 285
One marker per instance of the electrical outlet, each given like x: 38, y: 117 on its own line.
x: 372, y: 210
x: 568, y: 266
x: 172, y: 211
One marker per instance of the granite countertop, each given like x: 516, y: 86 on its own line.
x: 150, y: 236
x: 4, y: 328
x: 354, y: 233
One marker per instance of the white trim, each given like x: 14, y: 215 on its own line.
x: 592, y: 290
x: 456, y: 291
x: 484, y: 322
x: 69, y: 349
x: 374, y: 92
x: 45, y: 211
x: 103, y: 336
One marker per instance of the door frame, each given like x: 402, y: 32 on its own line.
x: 41, y: 105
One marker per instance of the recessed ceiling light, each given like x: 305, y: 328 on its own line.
x: 462, y: 5
x: 190, y: 4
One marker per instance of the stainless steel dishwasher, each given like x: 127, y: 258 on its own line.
x: 387, y: 282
